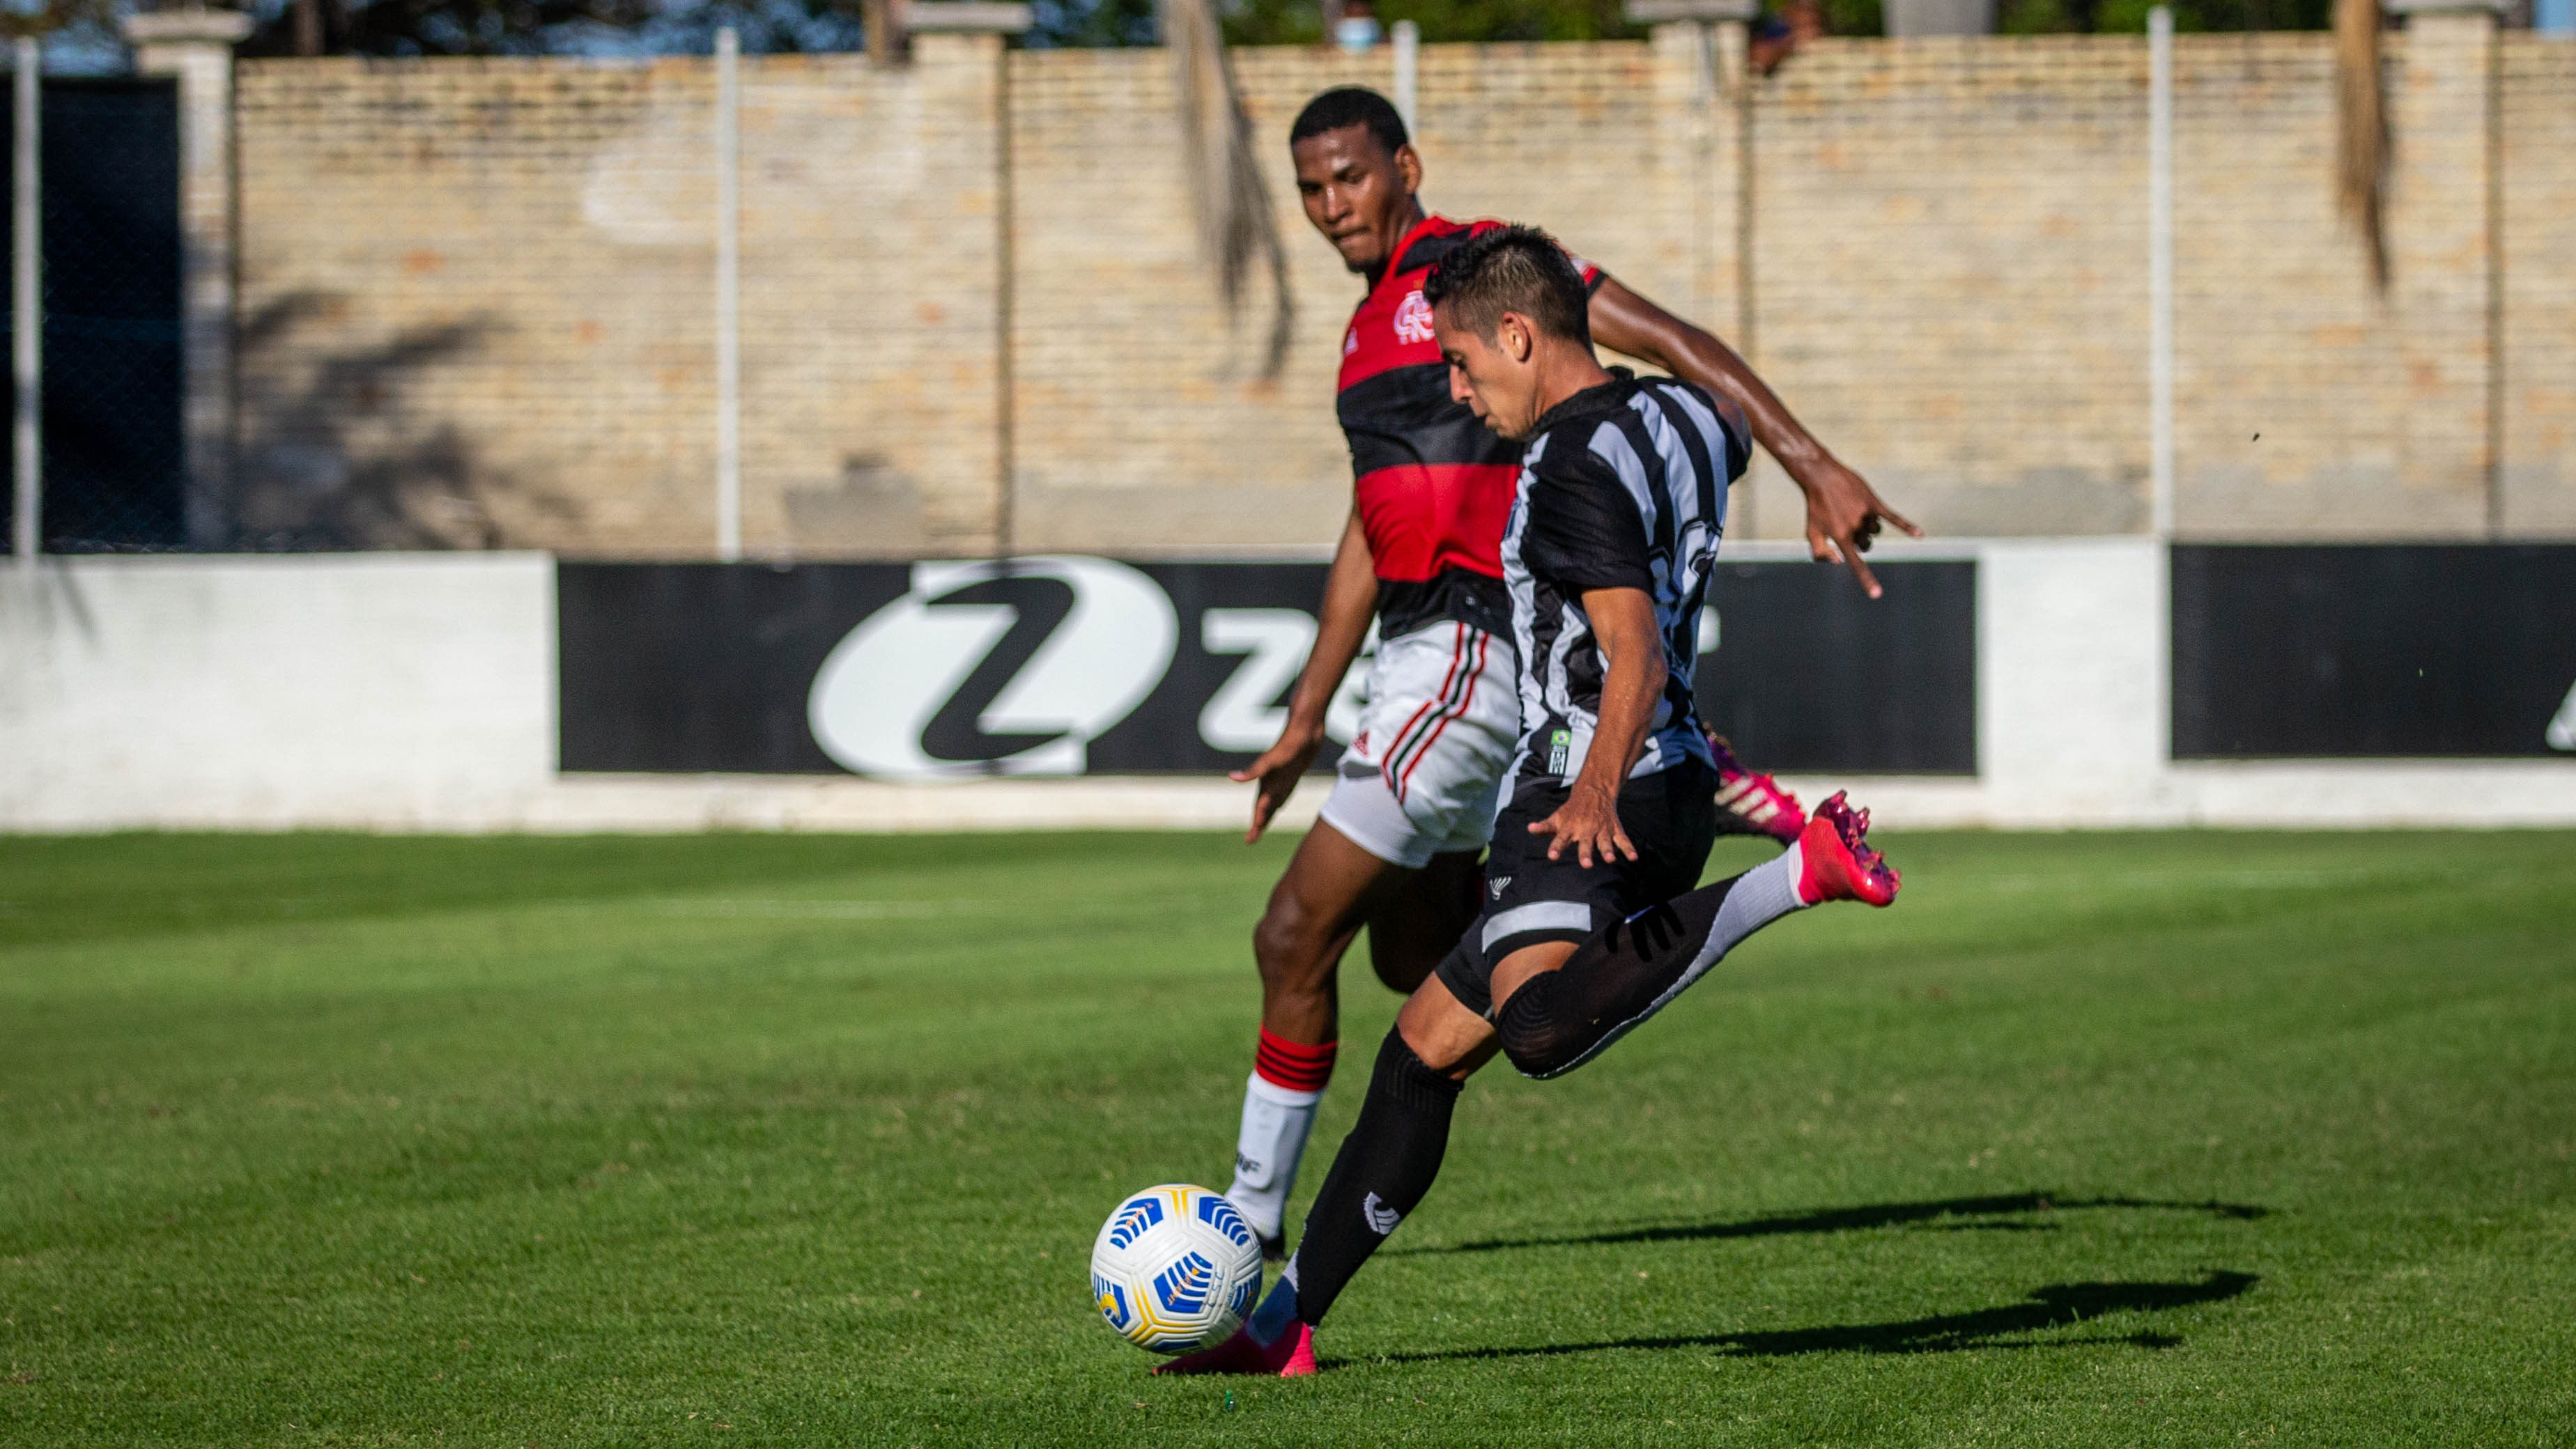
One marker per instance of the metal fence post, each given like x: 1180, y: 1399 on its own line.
x: 728, y: 296
x: 1408, y: 55
x: 2160, y: 272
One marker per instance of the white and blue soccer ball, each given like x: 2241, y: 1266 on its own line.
x: 1175, y: 1268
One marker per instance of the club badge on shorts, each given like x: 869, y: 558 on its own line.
x: 1560, y: 743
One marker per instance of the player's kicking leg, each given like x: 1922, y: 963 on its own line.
x: 1556, y: 1005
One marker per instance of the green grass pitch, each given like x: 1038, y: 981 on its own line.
x: 2116, y: 1140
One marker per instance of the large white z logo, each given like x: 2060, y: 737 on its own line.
x: 883, y: 685
x: 1240, y: 716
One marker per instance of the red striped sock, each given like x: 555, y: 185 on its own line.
x: 1287, y: 1064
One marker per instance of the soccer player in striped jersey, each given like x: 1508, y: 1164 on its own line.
x: 1592, y: 923
x: 1413, y: 801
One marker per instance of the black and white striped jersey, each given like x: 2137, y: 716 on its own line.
x: 1623, y: 486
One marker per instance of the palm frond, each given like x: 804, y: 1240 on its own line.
x: 1238, y: 232
x: 2361, y: 130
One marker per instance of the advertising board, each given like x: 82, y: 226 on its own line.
x: 2373, y: 650
x: 1071, y: 665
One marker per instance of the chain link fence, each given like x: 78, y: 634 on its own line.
x: 115, y: 467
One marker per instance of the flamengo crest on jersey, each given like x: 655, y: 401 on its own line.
x: 1623, y: 485
x: 1413, y: 319
x: 1431, y: 482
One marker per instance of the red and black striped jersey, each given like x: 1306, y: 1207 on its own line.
x: 1432, y: 483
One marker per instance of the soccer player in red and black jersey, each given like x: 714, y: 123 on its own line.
x: 1413, y: 802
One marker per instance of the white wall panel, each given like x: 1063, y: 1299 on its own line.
x: 380, y: 690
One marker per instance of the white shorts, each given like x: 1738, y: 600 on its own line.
x: 1424, y: 773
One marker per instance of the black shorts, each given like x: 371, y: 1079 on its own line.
x: 1670, y: 816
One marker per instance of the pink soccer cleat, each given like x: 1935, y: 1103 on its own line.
x: 1290, y: 1356
x: 1835, y: 862
x: 1756, y: 801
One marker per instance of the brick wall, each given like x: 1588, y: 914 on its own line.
x: 1140, y: 418
x: 2538, y: 110
x: 2312, y: 404
x: 478, y: 306
x: 1949, y: 276
x: 478, y: 302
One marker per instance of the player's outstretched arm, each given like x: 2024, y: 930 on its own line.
x: 1843, y: 512
x: 1350, y: 601
x: 1623, y: 621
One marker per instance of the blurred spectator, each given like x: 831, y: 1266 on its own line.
x: 1783, y: 31
x: 1356, y: 28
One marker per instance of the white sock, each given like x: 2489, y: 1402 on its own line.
x: 1275, y: 1123
x: 1761, y: 895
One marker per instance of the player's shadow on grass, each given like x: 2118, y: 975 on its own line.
x: 2058, y: 1305
x: 1873, y: 1215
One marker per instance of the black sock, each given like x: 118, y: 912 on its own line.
x: 1382, y: 1172
x: 1561, y: 1019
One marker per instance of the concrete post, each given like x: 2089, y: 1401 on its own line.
x: 1699, y: 47
x: 2442, y: 249
x: 196, y: 46
x: 948, y: 22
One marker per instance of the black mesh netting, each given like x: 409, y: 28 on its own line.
x: 115, y: 476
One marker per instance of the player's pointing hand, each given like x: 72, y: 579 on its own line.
x: 1843, y: 515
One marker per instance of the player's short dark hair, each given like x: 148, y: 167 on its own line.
x: 1512, y: 269
x: 1351, y: 106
